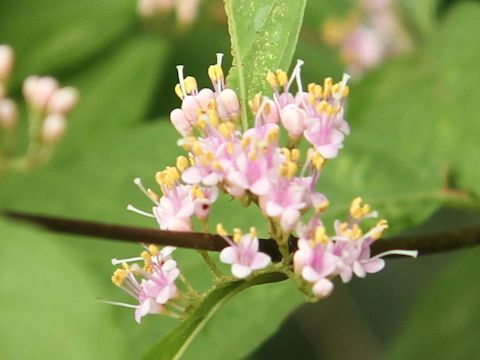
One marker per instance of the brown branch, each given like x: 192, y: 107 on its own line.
x: 425, y: 244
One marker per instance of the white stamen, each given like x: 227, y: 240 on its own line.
x: 343, y: 83
x: 140, y: 212
x: 118, y: 304
x: 295, y: 71
x: 411, y: 253
x: 181, y: 79
x: 219, y: 59
x: 137, y: 181
x: 121, y: 261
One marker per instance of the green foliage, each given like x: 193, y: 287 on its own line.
x: 264, y: 35
x: 414, y: 126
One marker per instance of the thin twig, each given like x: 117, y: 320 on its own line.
x: 425, y: 243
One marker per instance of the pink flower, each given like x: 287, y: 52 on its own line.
x: 204, y: 198
x: 284, y: 201
x: 244, y: 256
x: 175, y: 209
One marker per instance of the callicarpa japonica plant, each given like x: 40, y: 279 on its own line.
x: 278, y: 174
x: 255, y: 167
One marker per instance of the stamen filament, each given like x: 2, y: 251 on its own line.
x: 140, y: 212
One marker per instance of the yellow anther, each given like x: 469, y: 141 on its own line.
x: 196, y: 148
x: 246, y: 142
x: 322, y: 106
x: 215, y: 73
x: 357, y: 211
x: 191, y: 158
x: 153, y: 195
x: 252, y: 155
x: 282, y: 77
x: 311, y: 88
x: 237, y: 235
x: 273, y: 135
x: 221, y: 230
x: 216, y: 165
x: 229, y: 148
x: 320, y: 235
x: 178, y: 91
x: 253, y: 231
x: 224, y: 130
x: 119, y: 277
x: 159, y: 178
x: 201, y: 124
x: 272, y: 80
x: 230, y: 126
x: 146, y: 256
x: 322, y: 206
x: 190, y: 84
x: 291, y: 169
x: 153, y: 250
x: 198, y: 193
x: 213, y: 117
x: 318, y: 91
x: 346, y: 91
x: 182, y: 163
x: 286, y: 153
x: 256, y: 102
x: 295, y: 155
x: 318, y: 161
x: 335, y: 88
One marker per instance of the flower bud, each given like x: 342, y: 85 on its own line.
x: 270, y: 113
x: 293, y: 120
x: 228, y: 105
x: 180, y: 123
x: 204, y: 97
x: 7, y: 58
x: 147, y: 8
x: 8, y: 114
x: 63, y: 100
x: 190, y: 107
x: 39, y: 90
x: 54, y: 128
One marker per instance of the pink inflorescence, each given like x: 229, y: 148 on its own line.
x: 252, y: 166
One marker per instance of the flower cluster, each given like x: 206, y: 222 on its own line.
x: 152, y: 285
x: 252, y: 166
x: 371, y: 33
x: 186, y: 10
x: 48, y: 107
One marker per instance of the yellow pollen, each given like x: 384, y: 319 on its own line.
x: 322, y: 206
x: 119, y: 277
x: 215, y: 73
x: 253, y: 231
x: 213, y: 117
x: 291, y: 169
x: 153, y: 250
x: 190, y: 84
x: 178, y: 91
x: 320, y: 235
x: 221, y: 230
x: 224, y: 130
x: 357, y: 211
x: 198, y: 193
x: 282, y: 77
x: 272, y: 80
x: 182, y: 163
x: 346, y: 91
x: 216, y: 165
x: 237, y: 235
x: 295, y: 155
x: 229, y: 148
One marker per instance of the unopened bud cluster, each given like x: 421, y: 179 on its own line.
x: 252, y: 166
x: 185, y: 10
x: 48, y: 106
x: 371, y: 33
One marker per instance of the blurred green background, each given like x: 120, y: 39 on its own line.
x: 413, y: 153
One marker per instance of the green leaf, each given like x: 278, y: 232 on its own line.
x: 264, y: 34
x: 48, y: 302
x: 57, y: 35
x: 451, y: 304
x: 176, y: 343
x: 414, y: 130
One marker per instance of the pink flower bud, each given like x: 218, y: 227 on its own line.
x: 293, y: 120
x: 270, y: 113
x: 190, y: 107
x: 187, y: 11
x: 147, y: 8
x: 54, y: 128
x: 39, y: 90
x: 204, y: 97
x: 8, y: 114
x: 228, y: 105
x: 63, y: 100
x: 6, y: 62
x: 180, y: 123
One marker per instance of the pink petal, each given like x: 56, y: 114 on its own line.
x: 241, y: 271
x: 261, y: 186
x: 163, y: 296
x: 273, y: 209
x: 229, y: 255
x: 260, y: 261
x: 322, y: 288
x: 374, y: 265
x: 192, y: 175
x: 309, y: 274
x: 358, y: 269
